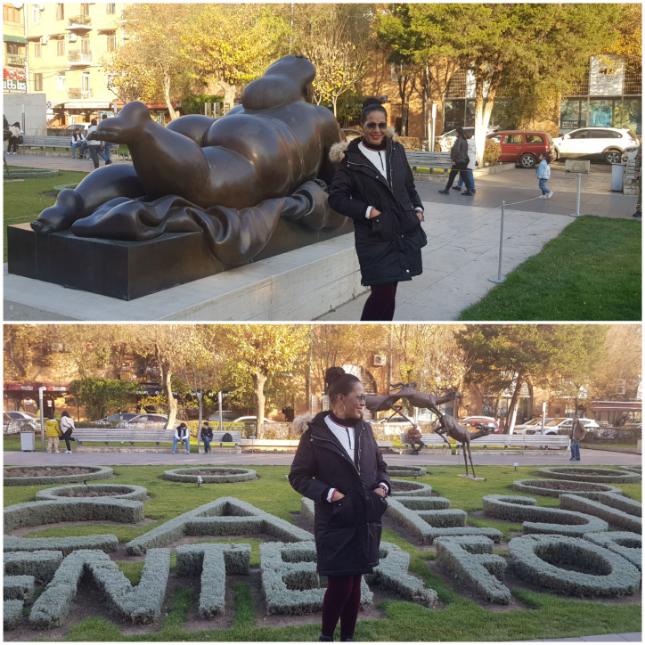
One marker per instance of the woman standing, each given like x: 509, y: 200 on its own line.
x: 66, y: 428
x: 374, y: 186
x: 338, y: 465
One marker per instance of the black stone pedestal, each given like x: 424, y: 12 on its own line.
x: 125, y: 270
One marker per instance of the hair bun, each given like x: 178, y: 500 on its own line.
x: 372, y: 100
x: 332, y: 375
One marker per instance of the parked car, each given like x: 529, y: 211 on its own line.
x: 522, y: 147
x: 115, y: 419
x: 14, y: 421
x: 480, y: 423
x: 251, y: 422
x: 447, y: 139
x: 146, y: 421
x: 595, y: 143
x: 562, y: 425
x: 532, y: 426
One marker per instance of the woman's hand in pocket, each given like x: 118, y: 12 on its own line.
x: 337, y: 496
x: 374, y: 213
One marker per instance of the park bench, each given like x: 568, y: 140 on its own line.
x: 43, y: 142
x: 428, y: 160
x: 269, y: 445
x: 548, y: 442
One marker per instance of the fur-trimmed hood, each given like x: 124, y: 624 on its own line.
x: 337, y: 151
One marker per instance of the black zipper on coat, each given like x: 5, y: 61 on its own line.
x: 378, y: 176
x: 339, y: 450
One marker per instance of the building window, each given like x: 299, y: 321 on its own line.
x: 60, y: 82
x: 85, y: 9
x: 111, y: 41
x: 11, y: 14
x: 85, y: 45
x: 38, y: 82
x: 35, y: 14
x: 60, y: 47
x: 13, y: 48
x: 38, y: 52
x: 110, y: 8
x: 85, y: 84
x: 60, y: 11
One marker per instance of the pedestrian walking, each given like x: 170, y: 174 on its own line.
x: 374, y: 186
x: 67, y: 427
x: 207, y: 436
x: 181, y: 436
x: 77, y: 142
x: 93, y: 145
x: 459, y: 157
x: 15, y: 137
x: 543, y: 172
x: 339, y: 466
x: 107, y: 147
x: 576, y: 435
x: 472, y: 162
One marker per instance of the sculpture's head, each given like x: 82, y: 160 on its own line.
x: 123, y: 127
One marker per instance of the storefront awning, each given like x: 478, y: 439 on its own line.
x: 20, y: 40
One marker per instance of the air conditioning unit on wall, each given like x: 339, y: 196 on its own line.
x: 378, y: 360
x: 44, y: 40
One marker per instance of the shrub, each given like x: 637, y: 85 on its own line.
x: 627, y: 544
x: 413, y: 521
x: 406, y: 471
x: 556, y: 561
x: 539, y: 519
x: 76, y: 491
x: 64, y: 544
x: 613, y: 516
x: 139, y: 604
x: 555, y: 487
x: 600, y: 475
x: 214, y: 518
x: 424, y: 503
x: 470, y: 562
x: 51, y: 475
x: 392, y: 573
x: 210, y: 474
x: 289, y: 580
x: 213, y: 561
x: 18, y: 587
x: 42, y: 565
x: 12, y: 613
x: 409, y: 489
x: 72, y: 510
x: 492, y: 151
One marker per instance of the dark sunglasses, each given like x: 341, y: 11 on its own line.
x: 372, y: 126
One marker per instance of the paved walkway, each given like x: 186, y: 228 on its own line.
x: 130, y: 457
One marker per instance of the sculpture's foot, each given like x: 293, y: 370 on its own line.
x: 60, y: 216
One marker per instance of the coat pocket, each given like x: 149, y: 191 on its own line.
x: 342, y: 513
x: 383, y: 226
x: 376, y: 507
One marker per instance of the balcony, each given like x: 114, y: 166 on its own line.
x: 79, y: 59
x: 15, y: 60
x: 78, y: 93
x: 79, y: 23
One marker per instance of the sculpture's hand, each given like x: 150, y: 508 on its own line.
x: 61, y: 215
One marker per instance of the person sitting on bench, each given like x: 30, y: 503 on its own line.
x: 413, y: 437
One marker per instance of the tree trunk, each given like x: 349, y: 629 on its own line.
x: 334, y: 103
x: 166, y: 95
x: 229, y: 95
x: 172, y: 401
x: 259, y: 381
x: 483, y: 109
x: 511, y: 414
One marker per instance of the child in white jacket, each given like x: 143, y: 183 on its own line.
x: 543, y: 172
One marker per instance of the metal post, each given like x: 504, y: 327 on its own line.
x: 578, y: 195
x: 219, y: 403
x: 498, y: 280
x: 41, y: 407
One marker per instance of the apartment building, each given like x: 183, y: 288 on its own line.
x: 67, y: 46
x: 14, y: 72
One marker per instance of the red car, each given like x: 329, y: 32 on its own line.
x: 523, y: 147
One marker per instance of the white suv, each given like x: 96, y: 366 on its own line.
x: 606, y: 143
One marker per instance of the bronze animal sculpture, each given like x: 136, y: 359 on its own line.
x: 232, y: 178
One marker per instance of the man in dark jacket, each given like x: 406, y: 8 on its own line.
x: 207, y: 436
x: 459, y: 158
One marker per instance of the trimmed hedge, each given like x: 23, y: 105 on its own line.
x: 406, y: 471
x: 118, y: 491
x: 630, y: 506
x: 424, y: 503
x: 72, y: 510
x: 213, y: 561
x: 551, y: 562
x: 64, y: 544
x: 307, y: 509
x: 216, y: 518
x: 289, y: 579
x: 18, y: 587
x: 42, y: 565
x: 392, y: 573
x: 139, y: 604
x: 540, y: 519
x: 413, y: 521
x: 556, y: 487
x: 599, y: 475
x: 220, y: 475
x: 49, y: 475
x: 12, y: 613
x: 629, y: 545
x: 408, y: 489
x: 470, y: 562
x: 613, y: 516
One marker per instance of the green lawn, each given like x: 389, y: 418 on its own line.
x: 591, y: 271
x: 24, y: 200
x: 534, y: 614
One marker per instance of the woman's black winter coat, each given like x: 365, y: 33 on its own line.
x: 389, y: 246
x: 347, y: 532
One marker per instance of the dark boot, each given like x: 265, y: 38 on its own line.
x: 444, y: 191
x: 327, y: 639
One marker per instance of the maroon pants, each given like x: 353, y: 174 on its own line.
x: 342, y: 600
x: 380, y: 304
